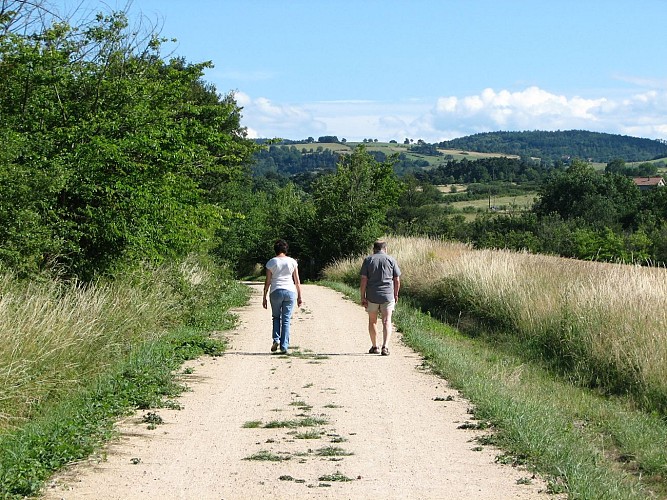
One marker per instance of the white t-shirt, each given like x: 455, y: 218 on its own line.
x: 281, y: 273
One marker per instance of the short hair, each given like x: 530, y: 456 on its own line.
x: 379, y: 245
x: 280, y: 246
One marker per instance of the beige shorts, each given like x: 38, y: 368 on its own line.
x: 387, y: 306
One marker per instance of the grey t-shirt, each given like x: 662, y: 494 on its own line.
x: 380, y: 269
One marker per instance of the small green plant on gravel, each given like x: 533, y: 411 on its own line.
x: 293, y: 424
x: 312, y: 422
x: 481, y: 425
x: 279, y: 424
x: 308, y: 385
x: 335, y: 477
x: 333, y: 451
x: 267, y: 456
x: 331, y: 405
x: 308, y: 435
x: 172, y: 404
x: 301, y: 405
x: 153, y: 419
x: 252, y: 424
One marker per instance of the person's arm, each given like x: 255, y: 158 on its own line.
x: 362, y: 290
x: 397, y: 287
x: 267, y: 284
x: 297, y: 283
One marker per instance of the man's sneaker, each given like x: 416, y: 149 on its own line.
x: 374, y: 350
x: 284, y: 351
x: 385, y: 351
x: 274, y: 347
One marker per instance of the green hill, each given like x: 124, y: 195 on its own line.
x: 590, y: 146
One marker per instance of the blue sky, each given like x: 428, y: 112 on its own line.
x: 426, y: 69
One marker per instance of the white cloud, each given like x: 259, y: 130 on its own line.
x: 266, y: 119
x: 642, y: 113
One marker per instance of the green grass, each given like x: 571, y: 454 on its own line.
x: 504, y: 202
x: 335, y: 477
x: 585, y: 444
x: 332, y: 451
x: 308, y: 435
x: 302, y: 405
x: 267, y: 456
x: 293, y: 424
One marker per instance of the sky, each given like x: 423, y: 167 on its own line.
x: 424, y: 69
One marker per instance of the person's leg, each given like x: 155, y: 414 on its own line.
x: 387, y: 310
x: 372, y: 329
x: 289, y: 299
x: 386, y: 327
x: 276, y: 305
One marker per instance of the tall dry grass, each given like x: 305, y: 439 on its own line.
x: 604, y: 324
x: 57, y: 335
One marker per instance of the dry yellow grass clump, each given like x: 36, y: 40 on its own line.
x: 56, y: 335
x: 605, y: 323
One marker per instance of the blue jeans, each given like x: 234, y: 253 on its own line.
x: 282, y: 304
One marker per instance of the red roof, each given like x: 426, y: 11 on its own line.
x: 649, y: 181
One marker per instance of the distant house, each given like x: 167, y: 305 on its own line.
x: 646, y: 183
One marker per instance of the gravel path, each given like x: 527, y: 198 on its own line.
x: 385, y: 424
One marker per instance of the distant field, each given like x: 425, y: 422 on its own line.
x: 522, y: 202
x: 457, y: 154
x: 447, y: 188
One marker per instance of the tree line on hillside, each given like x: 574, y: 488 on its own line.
x: 554, y: 146
x: 486, y: 170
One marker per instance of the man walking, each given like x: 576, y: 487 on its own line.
x: 380, y: 282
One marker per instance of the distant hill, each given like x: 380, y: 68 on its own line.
x: 590, y: 146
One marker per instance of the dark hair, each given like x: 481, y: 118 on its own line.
x: 280, y: 246
x: 379, y: 245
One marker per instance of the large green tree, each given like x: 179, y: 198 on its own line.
x: 351, y: 205
x: 112, y: 151
x: 608, y: 200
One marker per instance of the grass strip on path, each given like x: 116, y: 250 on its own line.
x: 584, y: 444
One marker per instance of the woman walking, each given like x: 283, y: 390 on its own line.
x: 282, y: 275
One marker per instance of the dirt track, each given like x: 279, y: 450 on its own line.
x: 389, y: 427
